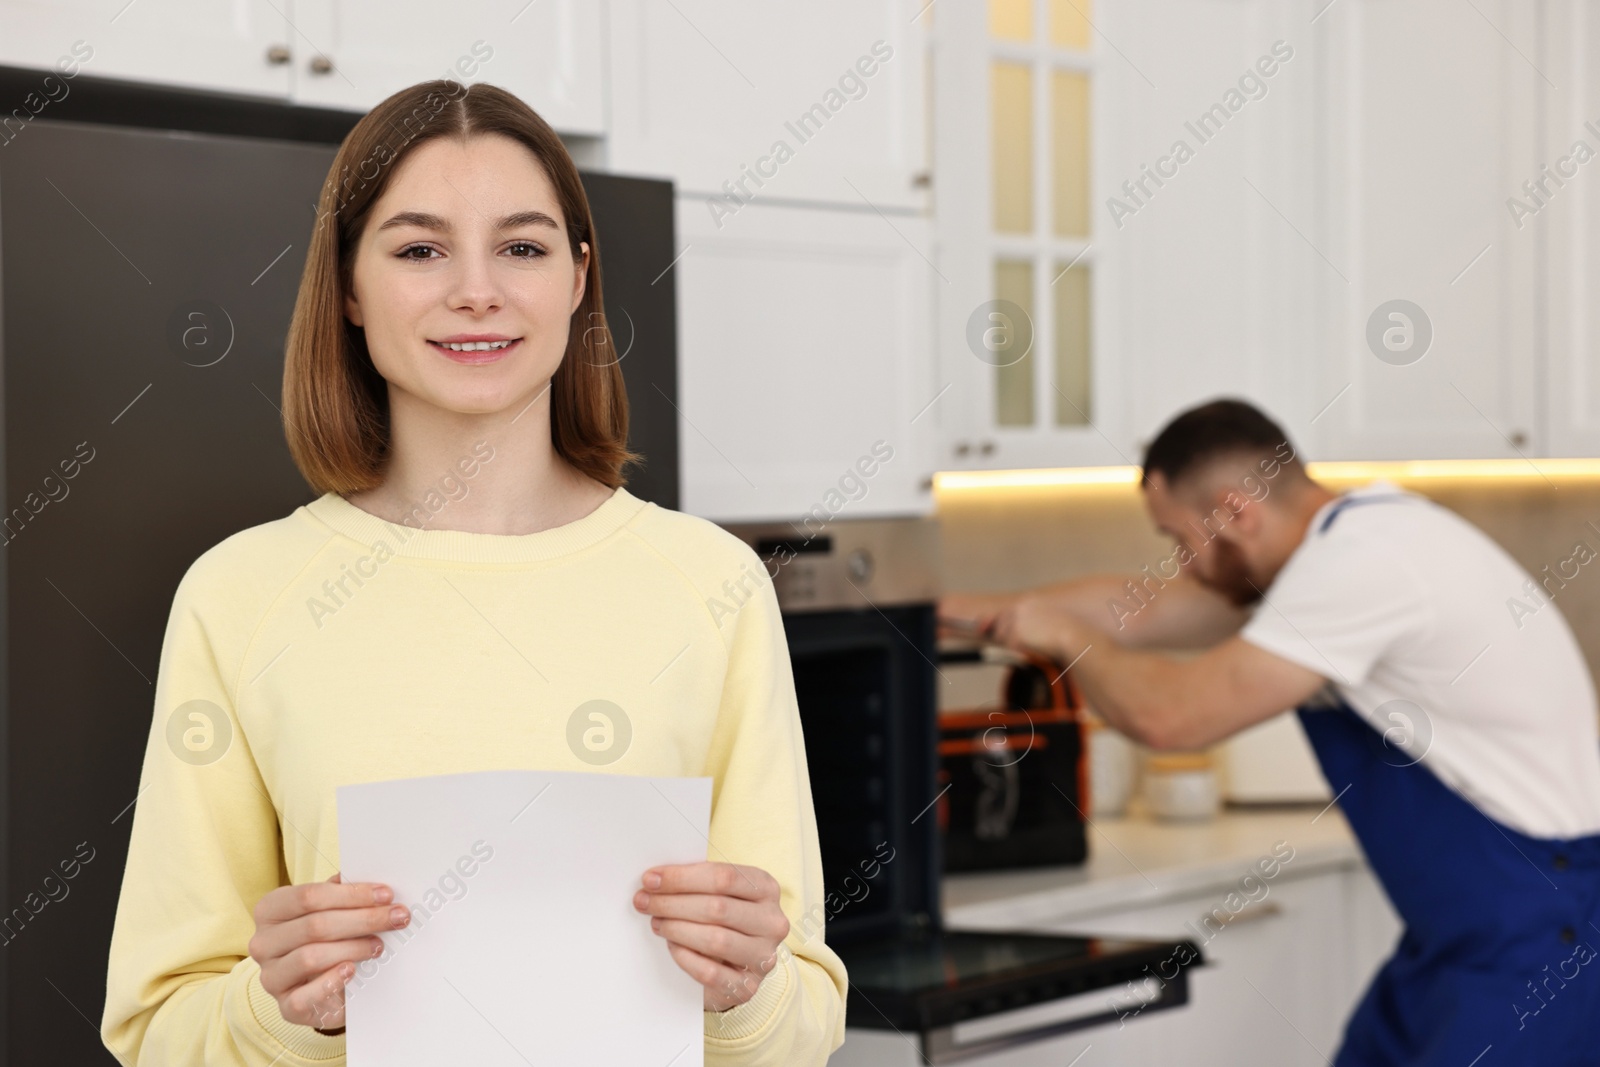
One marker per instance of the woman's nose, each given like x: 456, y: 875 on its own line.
x: 475, y: 284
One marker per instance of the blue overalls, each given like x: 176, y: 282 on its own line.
x: 1499, y: 963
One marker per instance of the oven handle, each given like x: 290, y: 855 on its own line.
x: 1038, y: 1022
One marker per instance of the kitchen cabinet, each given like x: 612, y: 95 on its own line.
x: 353, y: 53
x: 1020, y: 116
x: 1192, y: 282
x: 816, y: 102
x: 1418, y: 163
x: 1268, y: 182
x: 242, y: 47
x: 346, y: 54
x: 1202, y: 188
x: 803, y: 377
x: 1189, y: 282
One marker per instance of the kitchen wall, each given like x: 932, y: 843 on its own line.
x: 1006, y: 538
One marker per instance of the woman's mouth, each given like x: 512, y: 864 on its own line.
x: 475, y: 350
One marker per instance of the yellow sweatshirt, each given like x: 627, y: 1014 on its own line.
x: 332, y: 647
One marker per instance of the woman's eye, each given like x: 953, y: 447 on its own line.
x: 529, y: 250
x: 405, y: 253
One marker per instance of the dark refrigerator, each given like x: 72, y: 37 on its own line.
x: 147, y: 277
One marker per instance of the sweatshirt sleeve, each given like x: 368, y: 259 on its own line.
x: 181, y: 987
x: 762, y: 816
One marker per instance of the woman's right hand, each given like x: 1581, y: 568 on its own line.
x: 309, y: 938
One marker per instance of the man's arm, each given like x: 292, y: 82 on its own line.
x: 1159, y: 701
x: 1137, y: 610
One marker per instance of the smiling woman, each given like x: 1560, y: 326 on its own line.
x: 451, y: 302
x: 442, y: 175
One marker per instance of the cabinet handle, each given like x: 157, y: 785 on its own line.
x: 1518, y: 438
x: 986, y: 448
x: 277, y: 55
x: 962, y: 448
x: 321, y: 65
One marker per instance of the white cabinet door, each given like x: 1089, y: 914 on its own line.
x: 803, y: 348
x: 1264, y: 996
x: 353, y: 53
x: 1019, y: 127
x: 816, y: 101
x: 1568, y: 221
x: 1204, y: 203
x: 185, y: 43
x: 1421, y: 145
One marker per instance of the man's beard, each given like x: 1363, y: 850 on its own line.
x: 1232, y: 576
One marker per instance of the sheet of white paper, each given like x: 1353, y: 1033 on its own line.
x: 524, y: 946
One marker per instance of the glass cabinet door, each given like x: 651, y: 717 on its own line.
x: 1023, y: 154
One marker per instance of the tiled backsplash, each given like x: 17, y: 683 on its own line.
x: 1010, y: 538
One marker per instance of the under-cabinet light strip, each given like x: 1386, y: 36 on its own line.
x: 1337, y: 471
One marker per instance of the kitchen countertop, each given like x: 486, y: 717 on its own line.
x: 1136, y: 860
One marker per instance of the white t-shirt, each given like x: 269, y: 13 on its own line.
x: 1452, y: 651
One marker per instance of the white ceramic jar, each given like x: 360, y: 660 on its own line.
x: 1181, y: 786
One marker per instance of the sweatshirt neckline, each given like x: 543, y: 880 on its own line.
x: 461, y: 546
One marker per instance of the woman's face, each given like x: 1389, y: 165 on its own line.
x: 467, y: 244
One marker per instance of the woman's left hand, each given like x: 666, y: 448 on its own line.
x: 722, y: 924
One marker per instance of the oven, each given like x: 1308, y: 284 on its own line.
x: 858, y: 600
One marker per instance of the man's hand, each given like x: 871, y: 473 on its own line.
x: 1042, y: 625
x: 975, y: 610
x: 722, y: 924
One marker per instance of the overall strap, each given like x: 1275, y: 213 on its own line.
x: 1352, y: 501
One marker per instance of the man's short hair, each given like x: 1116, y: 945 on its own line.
x: 1215, y: 430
